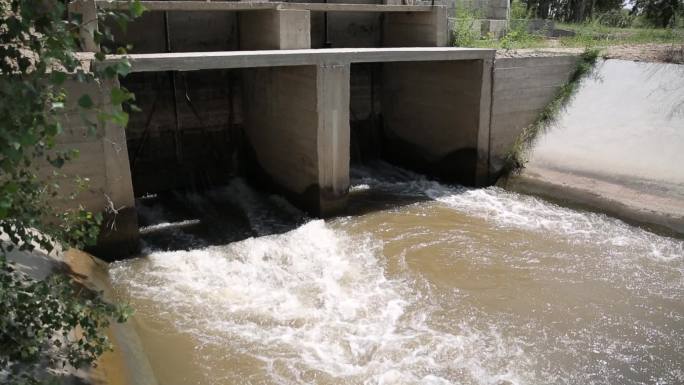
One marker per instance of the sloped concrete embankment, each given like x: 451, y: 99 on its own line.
x: 127, y: 364
x: 618, y: 147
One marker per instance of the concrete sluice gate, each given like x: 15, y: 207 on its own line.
x: 288, y: 94
x: 291, y: 127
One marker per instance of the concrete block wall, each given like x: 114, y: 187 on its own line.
x: 347, y: 29
x: 436, y: 117
x: 521, y: 88
x: 297, y: 125
x: 275, y: 29
x: 426, y: 29
x: 485, y: 9
x: 197, y: 31
x: 104, y: 161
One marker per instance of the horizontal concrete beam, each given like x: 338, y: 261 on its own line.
x: 193, y: 61
x: 191, y: 5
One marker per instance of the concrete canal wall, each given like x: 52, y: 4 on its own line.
x: 102, y: 161
x: 521, y: 88
x: 617, y: 148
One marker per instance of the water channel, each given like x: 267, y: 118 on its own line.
x: 422, y: 283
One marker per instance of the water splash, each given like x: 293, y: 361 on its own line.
x: 316, y: 300
x: 317, y: 305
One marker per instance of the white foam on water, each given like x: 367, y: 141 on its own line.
x: 158, y: 218
x: 168, y: 225
x: 517, y: 211
x: 315, y: 302
x: 316, y: 299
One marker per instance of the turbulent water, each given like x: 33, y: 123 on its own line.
x: 424, y: 284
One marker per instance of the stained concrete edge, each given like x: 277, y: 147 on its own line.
x: 638, y: 207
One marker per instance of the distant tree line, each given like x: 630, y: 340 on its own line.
x: 658, y: 13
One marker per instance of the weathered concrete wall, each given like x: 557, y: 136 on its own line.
x: 297, y: 122
x: 436, y: 117
x: 275, y: 29
x: 197, y: 31
x: 103, y: 160
x: 347, y: 29
x: 179, y: 137
x: 182, y: 139
x: 522, y: 87
x: 426, y: 29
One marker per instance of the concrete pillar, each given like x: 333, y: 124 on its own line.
x: 297, y: 125
x: 416, y: 29
x: 88, y: 12
x: 103, y: 160
x: 436, y: 117
x: 333, y: 83
x: 275, y: 29
x: 482, y: 176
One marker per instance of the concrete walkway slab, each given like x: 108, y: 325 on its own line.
x: 192, y: 61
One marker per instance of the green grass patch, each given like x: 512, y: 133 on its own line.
x: 586, y: 35
x: 595, y: 35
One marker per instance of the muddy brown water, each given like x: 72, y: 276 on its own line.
x: 424, y: 284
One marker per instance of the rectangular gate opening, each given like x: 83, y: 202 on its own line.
x: 424, y: 116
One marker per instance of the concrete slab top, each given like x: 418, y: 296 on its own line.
x: 192, y: 61
x: 194, y: 5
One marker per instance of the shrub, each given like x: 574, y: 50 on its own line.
x: 467, y: 28
x: 618, y: 18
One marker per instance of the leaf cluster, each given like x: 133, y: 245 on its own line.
x: 50, y: 323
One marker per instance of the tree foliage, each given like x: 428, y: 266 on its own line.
x: 660, y: 13
x: 51, y: 323
x: 39, y: 45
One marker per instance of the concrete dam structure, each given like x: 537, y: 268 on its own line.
x: 288, y: 94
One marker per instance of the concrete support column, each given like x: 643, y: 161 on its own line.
x: 275, y: 29
x: 103, y: 160
x: 297, y: 125
x: 88, y: 11
x: 482, y: 176
x: 436, y: 118
x: 416, y: 29
x: 333, y: 89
